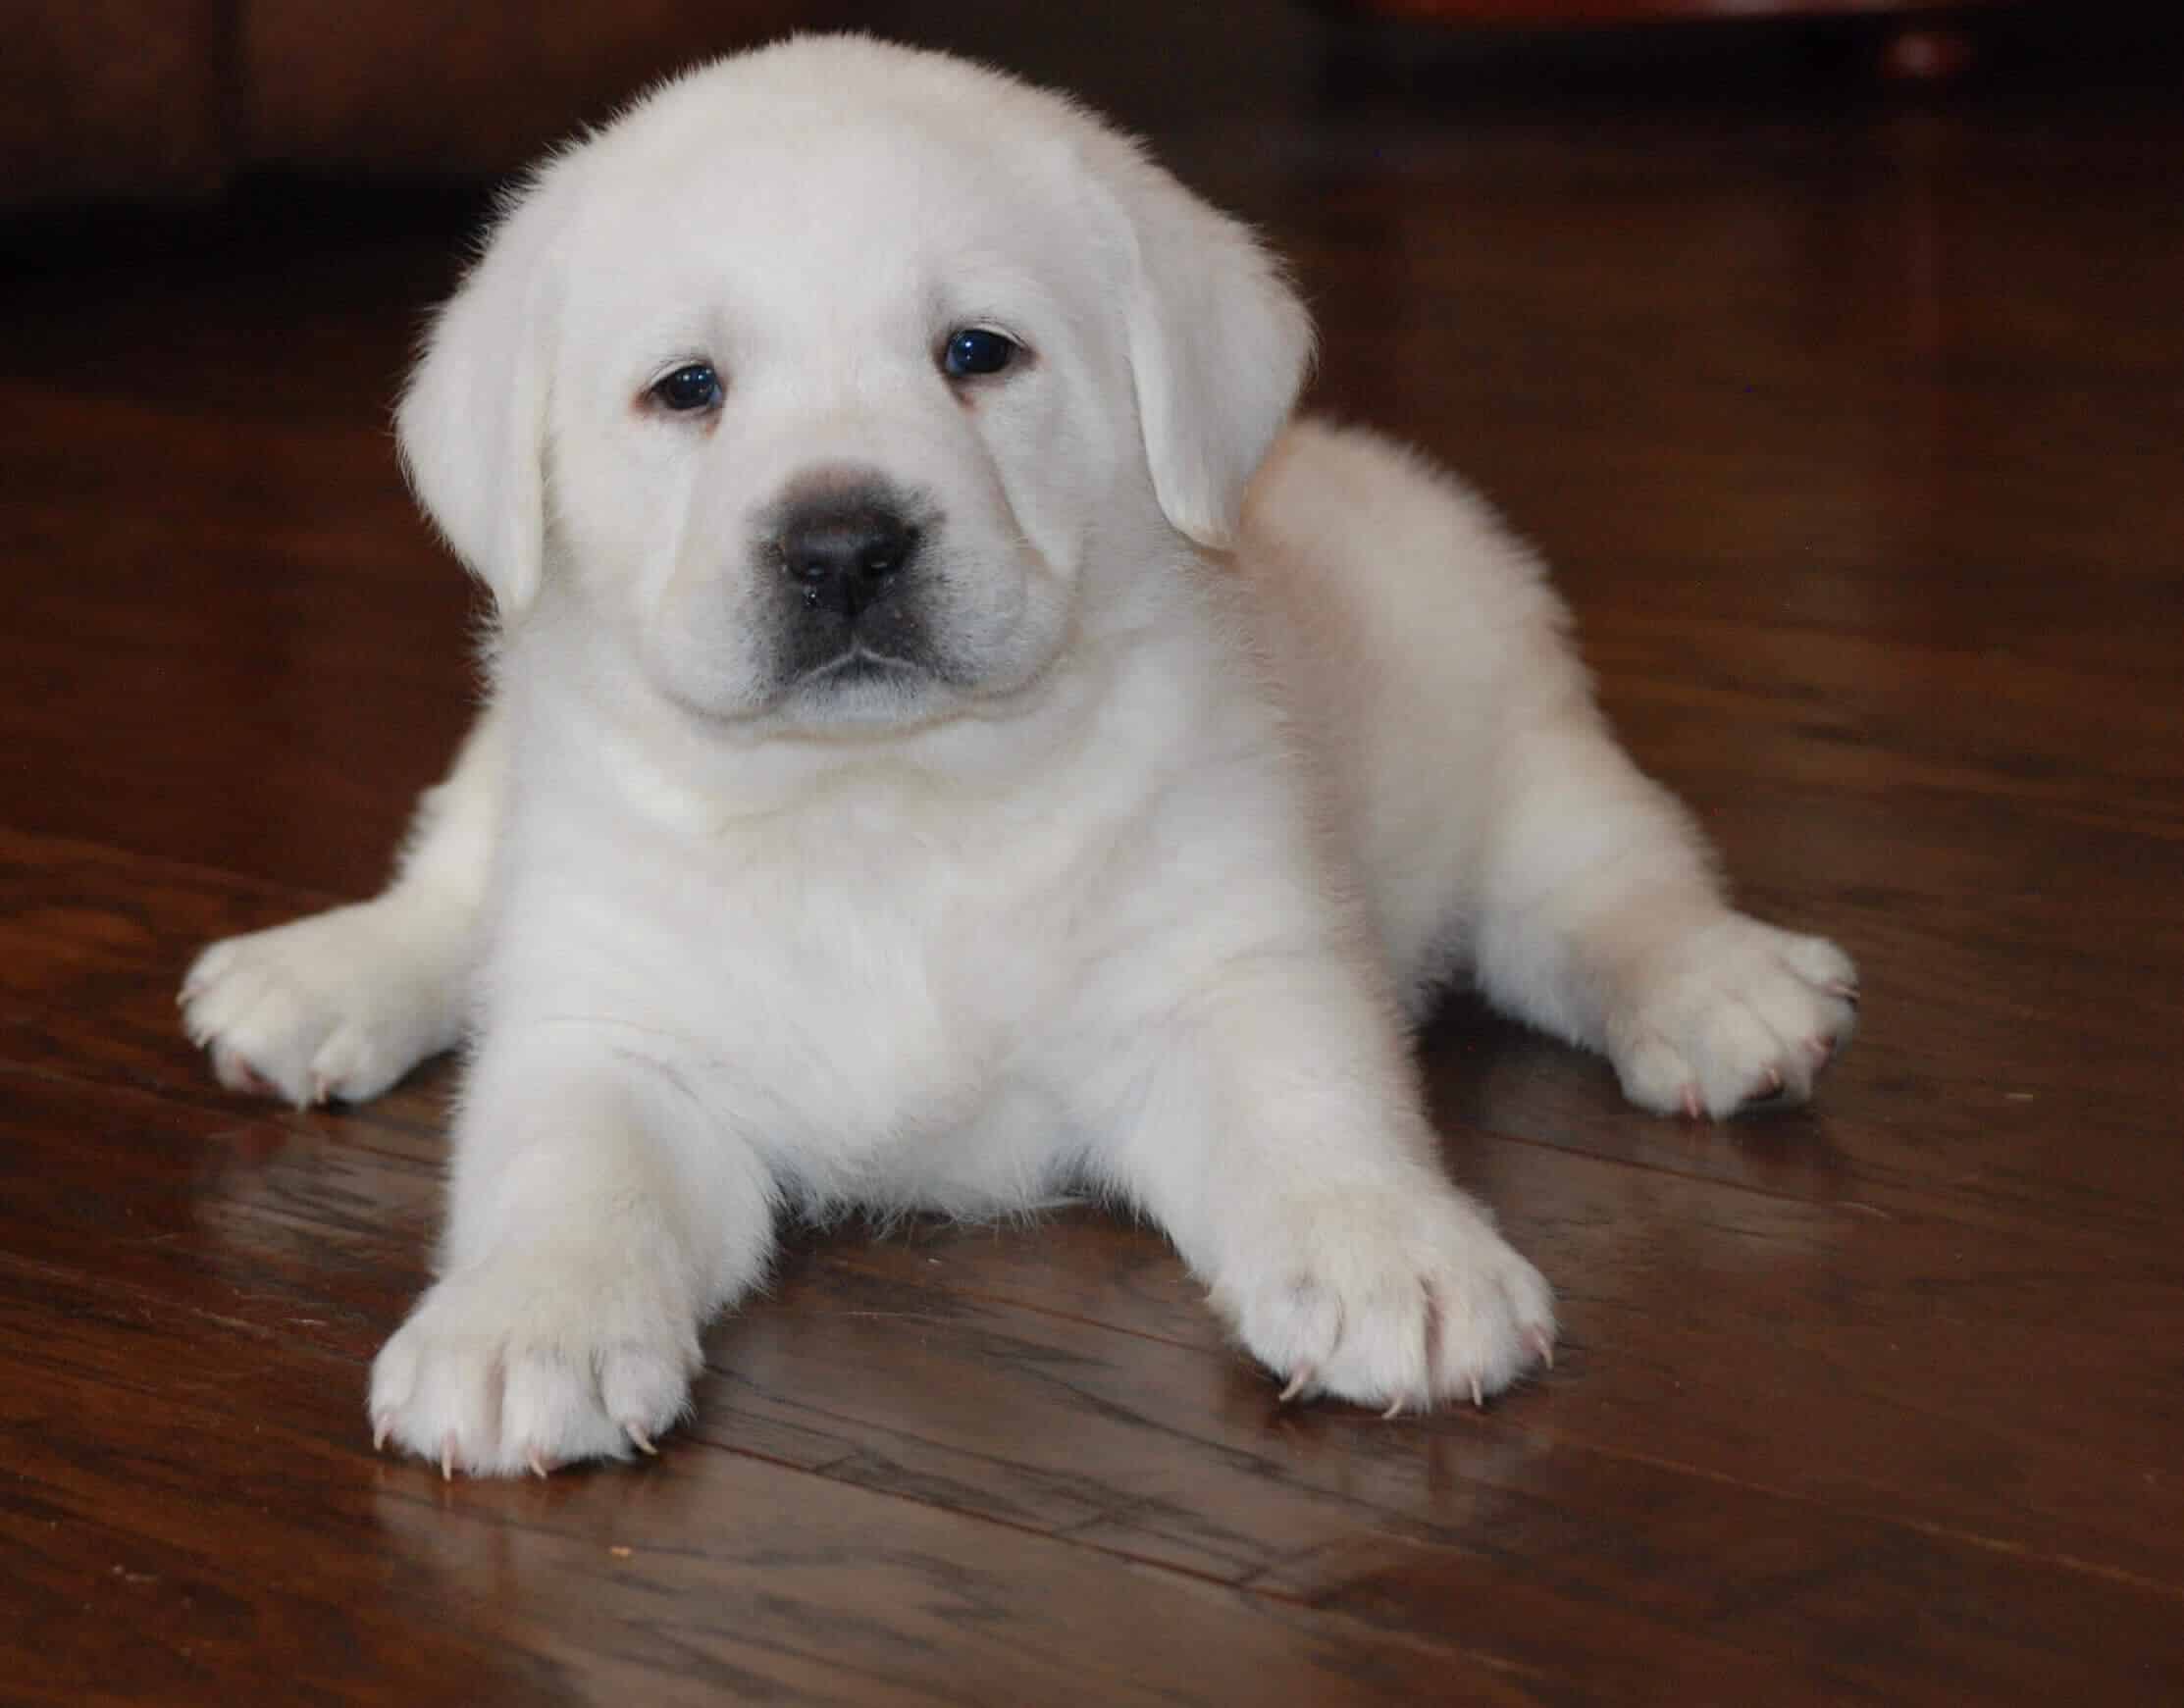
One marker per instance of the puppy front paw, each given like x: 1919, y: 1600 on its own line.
x: 340, y: 1005
x: 530, y: 1360
x: 1733, y: 1013
x: 1392, y: 1301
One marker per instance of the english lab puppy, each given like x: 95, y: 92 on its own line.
x: 956, y: 738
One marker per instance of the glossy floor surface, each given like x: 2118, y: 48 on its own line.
x: 1855, y: 437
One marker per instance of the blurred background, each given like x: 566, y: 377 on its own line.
x: 181, y: 103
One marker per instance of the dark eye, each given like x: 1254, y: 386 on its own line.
x: 696, y: 387
x: 975, y: 351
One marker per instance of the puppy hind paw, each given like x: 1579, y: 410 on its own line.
x: 1735, y: 1014
x: 340, y: 1005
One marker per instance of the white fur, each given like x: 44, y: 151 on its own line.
x: 1137, y: 900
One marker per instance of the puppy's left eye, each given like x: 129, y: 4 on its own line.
x: 976, y: 351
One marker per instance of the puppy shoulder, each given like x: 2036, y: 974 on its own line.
x: 1348, y: 513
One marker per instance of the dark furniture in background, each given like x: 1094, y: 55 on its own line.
x: 172, y: 98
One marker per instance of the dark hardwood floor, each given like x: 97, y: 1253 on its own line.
x: 1857, y: 434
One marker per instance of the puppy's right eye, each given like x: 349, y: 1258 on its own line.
x: 689, y: 388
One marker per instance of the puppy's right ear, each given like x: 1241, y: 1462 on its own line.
x: 472, y: 423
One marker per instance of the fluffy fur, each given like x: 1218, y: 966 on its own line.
x: 1221, y: 740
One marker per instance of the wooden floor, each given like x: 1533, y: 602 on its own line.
x: 1858, y: 439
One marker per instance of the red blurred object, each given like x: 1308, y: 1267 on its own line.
x: 1926, y: 54
x: 1922, y: 43
x: 1640, y: 11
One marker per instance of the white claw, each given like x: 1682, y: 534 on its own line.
x: 382, y: 1426
x: 640, y: 1440
x: 1299, y: 1383
x: 447, y: 1457
x: 1392, y: 1413
x: 1478, y: 1399
x: 538, y: 1464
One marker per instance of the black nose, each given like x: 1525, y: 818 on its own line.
x: 843, y: 555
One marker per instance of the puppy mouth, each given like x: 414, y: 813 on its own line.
x: 858, y: 664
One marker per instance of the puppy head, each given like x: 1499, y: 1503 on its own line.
x: 817, y: 381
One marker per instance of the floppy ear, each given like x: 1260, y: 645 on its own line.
x: 1218, y: 346
x: 472, y: 422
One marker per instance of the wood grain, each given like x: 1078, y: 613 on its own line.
x: 1851, y: 433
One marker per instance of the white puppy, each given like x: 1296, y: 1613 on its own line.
x: 954, y: 741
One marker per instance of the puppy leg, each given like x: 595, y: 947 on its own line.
x: 1600, y: 919
x: 1282, y: 1145
x: 596, y: 1215
x: 342, y: 1003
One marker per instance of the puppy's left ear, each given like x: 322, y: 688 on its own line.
x: 1218, y: 346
